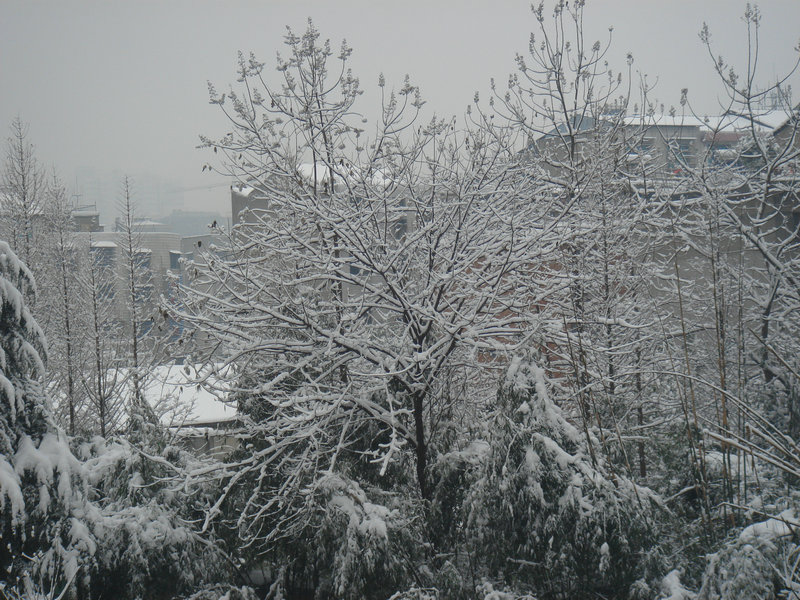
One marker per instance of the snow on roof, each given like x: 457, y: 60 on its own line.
x: 242, y: 190
x: 346, y: 173
x: 773, y: 119
x: 379, y: 178
x: 767, y: 120
x: 666, y: 121
x: 730, y: 121
x: 104, y: 244
x: 321, y: 173
x: 308, y: 170
x: 181, y: 401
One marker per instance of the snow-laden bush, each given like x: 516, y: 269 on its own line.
x: 672, y: 588
x: 416, y: 593
x: 533, y: 506
x: 116, y: 531
x: 761, y: 561
x: 224, y: 592
x: 352, y: 546
x: 146, y: 537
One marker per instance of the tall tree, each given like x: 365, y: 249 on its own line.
x: 586, y: 146
x: 136, y: 283
x: 60, y: 307
x: 367, y: 282
x: 37, y: 470
x: 23, y: 190
x: 756, y: 197
x: 103, y: 375
x: 736, y: 277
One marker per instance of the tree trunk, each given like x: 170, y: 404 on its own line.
x: 421, y: 446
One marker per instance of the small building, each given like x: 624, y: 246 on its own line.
x: 86, y: 219
x: 203, y: 420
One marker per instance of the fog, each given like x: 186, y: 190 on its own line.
x: 110, y: 88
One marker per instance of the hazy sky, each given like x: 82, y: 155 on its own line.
x: 121, y: 86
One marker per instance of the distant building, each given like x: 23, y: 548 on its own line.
x: 192, y: 223
x: 152, y: 194
x: 154, y: 253
x: 86, y: 219
x: 244, y: 198
x: 141, y: 225
x: 667, y: 144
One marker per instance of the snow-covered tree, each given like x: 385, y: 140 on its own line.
x: 39, y: 477
x: 59, y: 309
x: 755, y: 195
x: 102, y: 340
x: 525, y: 504
x: 585, y: 144
x: 92, y: 522
x: 735, y: 281
x: 136, y: 288
x: 22, y: 193
x: 376, y: 274
x: 372, y: 317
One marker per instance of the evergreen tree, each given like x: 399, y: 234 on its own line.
x: 37, y: 469
x: 523, y: 504
x: 92, y: 525
x: 23, y: 186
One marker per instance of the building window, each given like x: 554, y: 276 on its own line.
x: 103, y: 253
x: 141, y: 258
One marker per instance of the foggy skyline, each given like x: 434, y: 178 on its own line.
x: 122, y: 87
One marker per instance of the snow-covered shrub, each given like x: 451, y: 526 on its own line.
x: 339, y: 525
x: 416, y: 593
x: 146, y: 535
x: 760, y: 561
x: 487, y: 591
x: 533, y: 504
x: 224, y: 592
x: 358, y: 535
x: 351, y: 547
x: 672, y: 588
